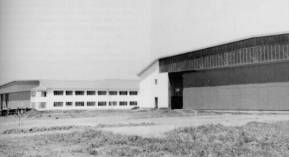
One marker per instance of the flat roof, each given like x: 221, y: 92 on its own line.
x: 98, y: 84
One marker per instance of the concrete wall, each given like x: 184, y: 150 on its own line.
x: 149, y: 89
x: 265, y: 96
x: 51, y: 98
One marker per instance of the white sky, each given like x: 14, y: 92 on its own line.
x: 99, y: 39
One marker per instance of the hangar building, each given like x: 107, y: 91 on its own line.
x: 250, y: 74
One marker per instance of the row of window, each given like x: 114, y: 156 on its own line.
x: 93, y: 103
x: 80, y: 92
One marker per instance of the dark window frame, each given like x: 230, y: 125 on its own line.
x: 69, y: 92
x: 79, y: 103
x: 90, y: 92
x: 112, y: 92
x: 133, y: 92
x: 69, y: 103
x: 90, y: 103
x: 101, y: 92
x: 43, y: 94
x: 123, y: 93
x: 58, y: 92
x: 79, y: 92
x: 123, y: 103
x: 112, y: 103
x: 101, y: 103
x: 133, y: 103
x: 58, y: 104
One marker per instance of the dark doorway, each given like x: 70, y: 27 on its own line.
x: 176, y: 90
x: 156, y: 102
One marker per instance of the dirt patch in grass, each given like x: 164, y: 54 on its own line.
x: 64, y: 128
x: 97, y: 113
x: 251, y: 140
x: 124, y: 125
x: 38, y: 129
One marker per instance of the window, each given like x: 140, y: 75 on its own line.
x: 33, y: 94
x: 101, y: 92
x: 68, y: 104
x: 133, y: 103
x: 90, y: 92
x: 90, y: 103
x: 156, y: 81
x: 101, y: 103
x: 123, y: 103
x: 112, y: 103
x: 132, y: 92
x: 58, y: 92
x: 68, y: 92
x: 58, y: 104
x: 122, y: 92
x: 112, y: 92
x: 79, y: 103
x: 42, y: 105
x: 43, y: 93
x: 79, y: 92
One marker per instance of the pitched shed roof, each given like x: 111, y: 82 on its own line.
x: 19, y: 86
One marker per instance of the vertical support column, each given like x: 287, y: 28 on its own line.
x: 7, y: 102
x: 1, y: 104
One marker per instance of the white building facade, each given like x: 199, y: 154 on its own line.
x: 83, y: 99
x: 154, y: 87
x: 73, y: 95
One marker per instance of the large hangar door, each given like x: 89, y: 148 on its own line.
x: 176, y: 90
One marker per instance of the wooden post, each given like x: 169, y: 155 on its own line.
x: 1, y: 104
x: 6, y: 103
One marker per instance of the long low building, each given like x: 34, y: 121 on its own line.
x: 69, y: 95
x: 250, y: 74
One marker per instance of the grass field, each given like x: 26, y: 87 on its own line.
x: 254, y: 139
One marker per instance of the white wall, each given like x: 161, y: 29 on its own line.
x: 51, y: 98
x: 149, y: 90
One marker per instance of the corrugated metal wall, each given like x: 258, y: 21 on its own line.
x: 262, y: 97
x: 262, y: 87
x: 265, y: 73
x: 247, y: 52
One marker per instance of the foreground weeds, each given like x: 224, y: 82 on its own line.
x: 251, y: 140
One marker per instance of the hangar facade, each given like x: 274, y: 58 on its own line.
x: 250, y: 74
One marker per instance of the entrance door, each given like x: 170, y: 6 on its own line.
x: 156, y: 102
x: 176, y: 90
